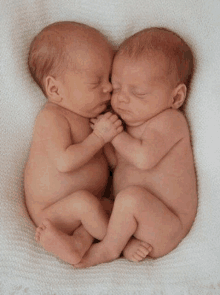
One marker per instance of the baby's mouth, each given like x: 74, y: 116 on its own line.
x: 123, y: 110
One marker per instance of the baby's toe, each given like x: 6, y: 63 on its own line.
x: 142, y: 253
x: 38, y: 234
x: 136, y: 257
x: 146, y: 246
x: 36, y: 237
x: 41, y: 227
x: 46, y: 224
x: 144, y: 250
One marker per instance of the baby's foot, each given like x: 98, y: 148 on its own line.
x: 136, y: 250
x: 67, y: 248
x: 98, y: 253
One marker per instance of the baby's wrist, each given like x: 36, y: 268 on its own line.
x: 98, y: 135
x: 115, y: 138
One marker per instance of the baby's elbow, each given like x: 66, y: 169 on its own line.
x: 145, y: 164
x: 62, y: 166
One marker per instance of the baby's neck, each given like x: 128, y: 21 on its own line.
x: 65, y: 111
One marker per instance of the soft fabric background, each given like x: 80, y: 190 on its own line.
x: 194, y: 266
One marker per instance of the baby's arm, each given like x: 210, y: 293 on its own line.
x: 56, y: 138
x: 159, y: 137
x: 108, y: 147
x: 107, y: 126
x: 110, y: 155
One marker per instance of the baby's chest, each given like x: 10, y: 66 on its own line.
x: 79, y: 131
x: 175, y: 165
x: 136, y: 131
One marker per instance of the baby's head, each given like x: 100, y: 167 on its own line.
x: 152, y: 71
x: 71, y: 63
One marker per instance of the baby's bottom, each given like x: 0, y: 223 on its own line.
x: 137, y: 213
x: 68, y: 227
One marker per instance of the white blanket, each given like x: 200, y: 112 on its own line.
x: 194, y: 266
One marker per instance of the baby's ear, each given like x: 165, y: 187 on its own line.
x: 53, y: 89
x: 179, y: 95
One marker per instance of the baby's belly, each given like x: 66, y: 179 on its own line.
x: 126, y: 175
x: 173, y: 184
x: 45, y: 185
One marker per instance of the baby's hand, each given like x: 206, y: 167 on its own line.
x: 107, y: 126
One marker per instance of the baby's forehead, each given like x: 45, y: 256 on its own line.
x: 154, y: 67
x: 144, y: 61
x: 70, y: 35
x: 82, y: 49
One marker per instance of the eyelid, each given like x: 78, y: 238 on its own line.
x: 140, y: 94
x: 95, y: 83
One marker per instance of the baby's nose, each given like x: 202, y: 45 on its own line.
x: 107, y: 87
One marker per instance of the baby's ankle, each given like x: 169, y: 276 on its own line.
x: 112, y: 252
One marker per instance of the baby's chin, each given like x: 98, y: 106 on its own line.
x: 129, y: 122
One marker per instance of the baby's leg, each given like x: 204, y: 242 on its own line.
x: 69, y: 248
x: 68, y: 227
x: 136, y: 212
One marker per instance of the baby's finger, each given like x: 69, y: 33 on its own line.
x: 120, y: 129
x: 113, y: 118
x: 107, y: 115
x: 99, y: 117
x: 118, y: 123
x: 92, y: 126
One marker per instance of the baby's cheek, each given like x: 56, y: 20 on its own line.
x: 113, y: 100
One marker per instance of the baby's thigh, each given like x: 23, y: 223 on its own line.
x: 156, y: 223
x: 66, y: 214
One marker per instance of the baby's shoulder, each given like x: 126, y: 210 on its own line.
x: 172, y: 116
x: 170, y: 121
x: 53, y: 117
x: 51, y: 111
x: 50, y: 117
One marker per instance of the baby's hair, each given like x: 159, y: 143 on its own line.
x: 49, y: 54
x: 161, y: 40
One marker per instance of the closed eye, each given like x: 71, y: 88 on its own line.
x: 141, y: 95
x: 95, y: 84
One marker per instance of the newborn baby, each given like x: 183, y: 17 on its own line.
x: 67, y: 172
x: 154, y: 179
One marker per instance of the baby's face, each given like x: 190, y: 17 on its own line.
x: 141, y: 88
x: 87, y: 90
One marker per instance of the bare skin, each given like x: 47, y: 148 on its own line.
x: 69, y: 213
x: 67, y: 172
x: 70, y: 248
x: 136, y: 250
x: 154, y: 178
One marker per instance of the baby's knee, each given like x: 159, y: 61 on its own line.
x: 87, y: 201
x: 130, y: 197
